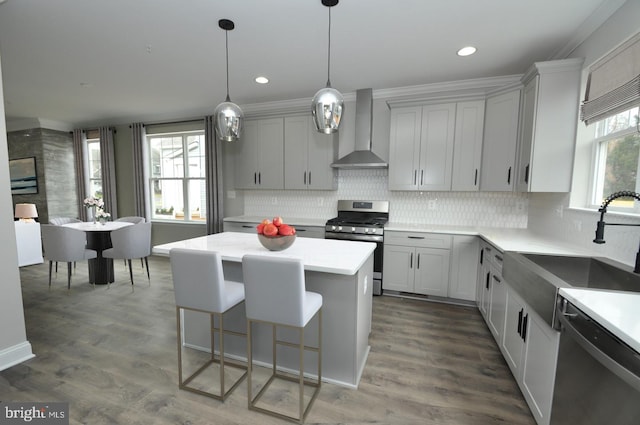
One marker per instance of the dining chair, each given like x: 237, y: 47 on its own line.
x: 276, y: 295
x: 59, y: 221
x: 135, y: 220
x: 199, y: 285
x: 64, y: 244
x: 131, y: 242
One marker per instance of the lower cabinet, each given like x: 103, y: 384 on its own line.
x: 464, y: 260
x: 417, y: 263
x: 530, y: 347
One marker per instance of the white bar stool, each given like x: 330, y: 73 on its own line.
x: 276, y: 295
x: 199, y: 285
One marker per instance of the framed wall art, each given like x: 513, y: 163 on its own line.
x: 24, y: 180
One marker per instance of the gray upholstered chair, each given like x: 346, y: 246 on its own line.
x: 131, y: 242
x: 59, y: 221
x: 199, y: 285
x: 65, y: 244
x: 275, y: 294
x: 132, y: 219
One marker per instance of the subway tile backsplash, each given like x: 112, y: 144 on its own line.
x: 485, y: 209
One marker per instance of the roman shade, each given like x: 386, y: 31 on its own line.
x: 613, y: 85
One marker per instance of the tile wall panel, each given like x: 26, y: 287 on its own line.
x: 490, y: 209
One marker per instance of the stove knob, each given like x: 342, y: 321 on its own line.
x: 373, y: 230
x: 339, y: 228
x: 353, y: 229
x: 333, y: 228
x: 366, y: 230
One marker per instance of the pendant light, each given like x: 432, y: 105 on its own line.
x: 327, y: 105
x: 228, y: 116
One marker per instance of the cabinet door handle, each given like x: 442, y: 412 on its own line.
x: 524, y: 327
x: 475, y: 179
x: 526, y: 174
x: 496, y: 278
x: 259, y: 178
x: 309, y: 177
x: 487, y: 283
x: 421, y: 177
x: 415, y: 176
x: 520, y: 321
x: 481, y: 256
x: 497, y: 257
x: 255, y: 178
x: 418, y: 265
x: 304, y: 179
x: 509, y: 176
x: 411, y: 261
x: 415, y: 237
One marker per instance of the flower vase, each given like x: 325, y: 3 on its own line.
x: 92, y: 213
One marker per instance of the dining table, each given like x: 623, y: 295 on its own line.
x: 99, y: 239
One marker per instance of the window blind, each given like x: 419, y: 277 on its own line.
x: 613, y: 84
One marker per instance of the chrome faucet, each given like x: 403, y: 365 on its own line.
x: 603, y: 209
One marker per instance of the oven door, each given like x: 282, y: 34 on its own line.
x: 377, y: 254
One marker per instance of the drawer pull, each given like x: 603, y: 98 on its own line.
x: 246, y: 226
x: 415, y: 237
x: 496, y: 278
x: 497, y: 257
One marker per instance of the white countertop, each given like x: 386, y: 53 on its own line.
x: 295, y: 221
x: 616, y: 311
x: 322, y: 255
x: 108, y: 226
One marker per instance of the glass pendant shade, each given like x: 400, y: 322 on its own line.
x: 327, y: 106
x: 228, y: 119
x: 228, y: 116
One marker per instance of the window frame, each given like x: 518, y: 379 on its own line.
x: 92, y: 139
x: 598, y: 165
x: 186, y: 179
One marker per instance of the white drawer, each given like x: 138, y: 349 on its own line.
x: 418, y: 239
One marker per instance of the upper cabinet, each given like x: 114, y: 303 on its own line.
x: 308, y: 155
x: 467, y: 147
x: 421, y: 147
x: 502, y: 113
x: 550, y: 101
x: 260, y: 162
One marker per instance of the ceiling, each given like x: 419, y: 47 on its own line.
x: 88, y: 62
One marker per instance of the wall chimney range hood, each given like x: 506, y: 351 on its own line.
x: 362, y: 156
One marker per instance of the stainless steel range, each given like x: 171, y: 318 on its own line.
x: 362, y: 221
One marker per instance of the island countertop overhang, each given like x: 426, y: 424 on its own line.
x: 321, y: 255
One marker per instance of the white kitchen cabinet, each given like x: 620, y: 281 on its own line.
x: 239, y: 226
x: 550, y: 102
x: 464, y: 266
x: 497, y: 299
x: 500, y: 142
x: 530, y: 347
x: 260, y: 161
x: 416, y: 262
x: 467, y: 147
x: 480, y: 282
x: 421, y: 147
x: 308, y: 155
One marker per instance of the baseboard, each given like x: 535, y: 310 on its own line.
x: 14, y: 355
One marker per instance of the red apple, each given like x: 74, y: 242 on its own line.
x: 270, y: 230
x: 286, y: 230
x: 266, y: 221
x: 277, y: 221
x: 260, y: 228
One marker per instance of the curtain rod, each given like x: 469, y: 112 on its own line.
x: 172, y: 122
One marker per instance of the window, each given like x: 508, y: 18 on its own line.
x: 617, y: 145
x: 177, y: 176
x: 94, y: 168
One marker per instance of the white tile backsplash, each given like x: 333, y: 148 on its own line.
x: 486, y: 209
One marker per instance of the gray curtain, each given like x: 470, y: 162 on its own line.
x: 140, y: 186
x: 215, y: 190
x: 78, y: 153
x: 108, y: 169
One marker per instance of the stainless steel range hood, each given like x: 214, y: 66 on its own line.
x: 362, y: 157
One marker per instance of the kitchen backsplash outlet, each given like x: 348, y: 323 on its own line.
x: 484, y: 209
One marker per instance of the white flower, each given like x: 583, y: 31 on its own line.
x: 100, y: 213
x: 93, y: 202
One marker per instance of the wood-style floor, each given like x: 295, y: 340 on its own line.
x: 111, y: 353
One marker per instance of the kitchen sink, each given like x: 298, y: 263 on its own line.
x: 537, y: 277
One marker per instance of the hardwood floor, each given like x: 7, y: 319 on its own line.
x: 111, y: 353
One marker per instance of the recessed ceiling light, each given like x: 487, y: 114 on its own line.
x: 466, y: 51
x: 262, y: 80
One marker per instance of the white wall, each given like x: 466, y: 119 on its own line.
x: 14, y: 347
x: 551, y: 214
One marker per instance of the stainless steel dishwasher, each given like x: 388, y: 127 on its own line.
x: 598, y: 375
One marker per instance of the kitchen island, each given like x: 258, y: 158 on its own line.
x: 341, y: 271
